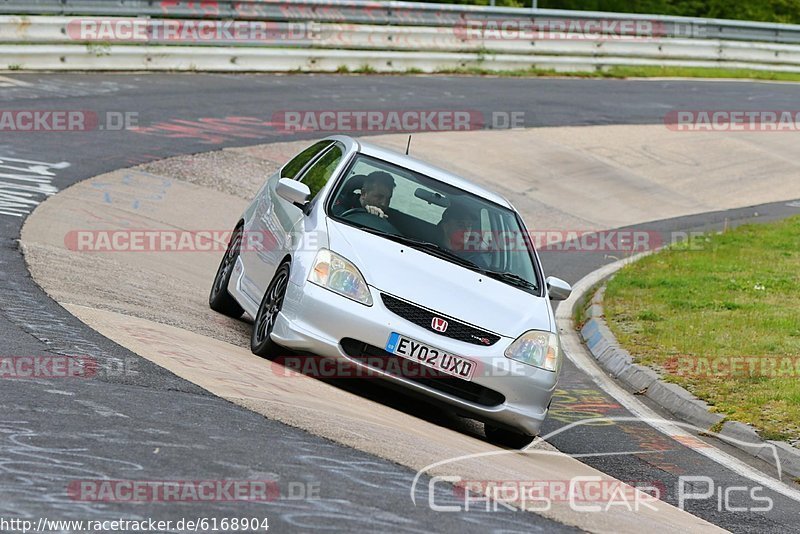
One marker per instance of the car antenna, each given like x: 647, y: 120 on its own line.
x: 408, y: 145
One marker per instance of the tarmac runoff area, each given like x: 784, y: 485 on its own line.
x: 583, y: 178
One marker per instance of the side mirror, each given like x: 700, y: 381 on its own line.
x: 558, y: 289
x: 293, y: 191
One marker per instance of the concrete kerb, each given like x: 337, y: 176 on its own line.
x: 641, y: 380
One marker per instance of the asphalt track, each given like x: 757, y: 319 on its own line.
x: 173, y: 429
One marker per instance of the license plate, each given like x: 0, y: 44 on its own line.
x: 419, y: 352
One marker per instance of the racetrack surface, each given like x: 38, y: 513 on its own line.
x: 163, y: 99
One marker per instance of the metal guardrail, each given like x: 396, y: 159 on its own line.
x: 56, y: 30
x: 259, y: 59
x: 392, y: 13
x: 368, y: 37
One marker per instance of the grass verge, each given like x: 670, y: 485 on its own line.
x: 696, y: 72
x: 638, y: 72
x: 720, y: 316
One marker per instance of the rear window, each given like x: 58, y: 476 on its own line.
x: 321, y: 170
x: 293, y: 168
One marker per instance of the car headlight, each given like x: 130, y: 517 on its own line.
x: 537, y: 348
x: 333, y: 272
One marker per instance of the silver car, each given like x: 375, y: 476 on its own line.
x: 379, y: 261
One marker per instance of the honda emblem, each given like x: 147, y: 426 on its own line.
x: 439, y: 324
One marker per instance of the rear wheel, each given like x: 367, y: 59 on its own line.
x: 507, y: 438
x: 219, y: 299
x: 260, y: 341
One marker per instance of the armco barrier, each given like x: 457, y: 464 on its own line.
x: 382, y: 45
x: 391, y: 13
x: 260, y: 59
x: 61, y: 30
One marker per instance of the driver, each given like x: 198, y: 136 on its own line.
x: 376, y: 193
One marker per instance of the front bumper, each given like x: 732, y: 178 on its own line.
x: 317, y: 320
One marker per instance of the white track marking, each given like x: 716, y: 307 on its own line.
x: 577, y: 353
x: 11, y: 82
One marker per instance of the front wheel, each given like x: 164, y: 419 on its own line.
x: 507, y: 438
x: 219, y: 299
x: 260, y: 341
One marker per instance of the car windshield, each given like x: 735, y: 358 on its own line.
x: 437, y: 218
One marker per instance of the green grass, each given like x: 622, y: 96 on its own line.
x: 735, y: 294
x: 696, y: 72
x: 365, y: 69
x: 580, y: 315
x: 480, y: 71
x: 614, y: 72
x: 635, y: 72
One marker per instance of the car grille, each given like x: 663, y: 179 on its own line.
x: 377, y: 358
x: 424, y: 318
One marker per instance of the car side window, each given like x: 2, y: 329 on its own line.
x: 321, y: 171
x: 293, y: 168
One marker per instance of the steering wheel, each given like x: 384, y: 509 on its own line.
x: 353, y: 211
x: 365, y: 218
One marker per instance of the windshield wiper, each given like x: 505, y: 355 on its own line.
x: 511, y: 278
x: 437, y: 249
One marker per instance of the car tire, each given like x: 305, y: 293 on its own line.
x: 260, y: 341
x: 507, y: 438
x: 219, y: 299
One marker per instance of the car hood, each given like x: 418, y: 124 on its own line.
x: 439, y: 285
